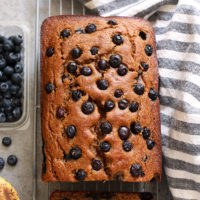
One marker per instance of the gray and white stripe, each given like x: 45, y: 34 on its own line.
x: 177, y: 28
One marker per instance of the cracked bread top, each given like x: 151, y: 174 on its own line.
x: 63, y: 195
x: 99, y: 99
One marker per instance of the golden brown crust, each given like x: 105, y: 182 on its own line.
x: 63, y: 195
x: 88, y: 137
x: 7, y: 191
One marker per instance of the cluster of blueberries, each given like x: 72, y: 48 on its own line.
x: 11, y: 77
x: 12, y: 159
x: 115, y: 61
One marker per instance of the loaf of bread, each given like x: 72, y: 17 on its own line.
x: 61, y: 195
x: 99, y: 99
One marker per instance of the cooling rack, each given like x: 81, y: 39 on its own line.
x: 46, y: 8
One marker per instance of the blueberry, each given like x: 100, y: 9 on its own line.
x: 2, y: 62
x: 71, y: 67
x: 146, y: 133
x: 16, y: 78
x: 60, y: 113
x: 150, y: 144
x: 6, y: 141
x: 4, y: 78
x: 115, y: 61
x: 123, y: 133
x: 8, y: 109
x: 8, y: 70
x: 122, y: 70
x: 87, y: 108
x: 16, y: 102
x: 12, y: 160
x: 148, y: 50
x: 17, y: 112
x: 135, y: 127
x: 133, y: 107
x: 18, y: 57
x: 2, y: 163
x: 19, y: 93
x: 86, y: 71
x: 18, y: 40
x: 94, y: 50
x: 1, y: 105
x: 4, y: 87
x: 2, y: 38
x: 135, y: 170
x: 1, y: 48
x: 105, y: 146
x: 2, y: 117
x: 1, y: 75
x: 18, y: 68
x: 145, y: 66
x: 123, y: 104
x: 76, y: 53
x: 9, y: 82
x: 14, y: 89
x: 7, y: 95
x: 17, y: 49
x: 49, y: 87
x: 108, y: 105
x: 102, y: 84
x: 70, y: 131
x: 103, y: 65
x: 11, y: 38
x: 146, y: 196
x: 112, y: 22
x: 118, y: 93
x: 8, y: 45
x: 142, y: 34
x: 117, y: 39
x: 106, y: 127
x: 76, y: 95
x: 12, y: 58
x: 80, y: 175
x: 127, y: 146
x: 65, y: 33
x: 7, y: 103
x: 153, y: 94
x: 96, y: 165
x: 75, y: 153
x: 10, y: 117
x: 139, y: 89
x: 90, y: 28
x: 50, y: 51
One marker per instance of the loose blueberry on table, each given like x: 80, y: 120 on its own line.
x: 6, y: 141
x: 11, y: 78
x: 12, y: 160
x: 2, y: 163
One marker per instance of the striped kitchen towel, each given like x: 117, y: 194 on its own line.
x: 177, y: 28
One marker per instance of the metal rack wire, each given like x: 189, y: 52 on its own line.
x: 46, y: 8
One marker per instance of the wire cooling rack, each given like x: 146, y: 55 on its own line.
x: 46, y: 8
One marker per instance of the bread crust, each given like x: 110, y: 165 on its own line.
x: 60, y: 195
x: 116, y: 162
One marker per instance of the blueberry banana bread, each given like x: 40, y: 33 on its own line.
x: 62, y: 195
x: 99, y: 99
